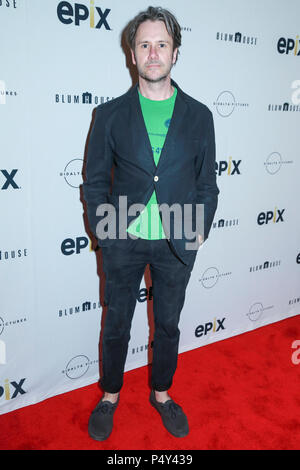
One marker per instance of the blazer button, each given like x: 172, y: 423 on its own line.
x: 156, y: 178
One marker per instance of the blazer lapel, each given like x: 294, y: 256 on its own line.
x: 140, y: 138
x: 178, y: 115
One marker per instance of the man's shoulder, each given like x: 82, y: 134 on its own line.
x: 114, y: 104
x: 196, y: 105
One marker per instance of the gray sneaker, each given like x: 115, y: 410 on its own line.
x: 101, y: 420
x: 172, y: 415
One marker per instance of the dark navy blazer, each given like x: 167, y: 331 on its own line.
x: 185, y: 172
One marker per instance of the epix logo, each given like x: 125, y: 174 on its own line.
x: 231, y: 167
x: 11, y: 390
x: 70, y: 246
x: 9, y: 179
x: 68, y: 14
x: 270, y: 216
x: 145, y: 294
x: 285, y: 46
x: 215, y: 326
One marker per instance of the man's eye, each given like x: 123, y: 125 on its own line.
x: 162, y: 45
x: 144, y: 46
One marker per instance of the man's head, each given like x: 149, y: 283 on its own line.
x: 154, y: 37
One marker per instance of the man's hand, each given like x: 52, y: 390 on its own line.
x: 200, y: 239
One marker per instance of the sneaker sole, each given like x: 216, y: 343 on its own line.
x: 98, y: 438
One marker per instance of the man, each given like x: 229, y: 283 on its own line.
x: 162, y: 146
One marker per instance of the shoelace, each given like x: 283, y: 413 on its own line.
x: 173, y: 410
x: 104, y: 408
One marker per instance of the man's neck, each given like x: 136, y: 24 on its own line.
x: 156, y: 91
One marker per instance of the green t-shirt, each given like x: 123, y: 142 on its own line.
x: 157, y: 116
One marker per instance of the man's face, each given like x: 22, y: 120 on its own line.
x: 153, y: 54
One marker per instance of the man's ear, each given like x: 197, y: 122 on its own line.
x: 175, y: 52
x: 133, y: 57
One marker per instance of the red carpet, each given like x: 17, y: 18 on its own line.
x: 239, y: 393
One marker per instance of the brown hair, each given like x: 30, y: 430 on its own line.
x: 154, y: 14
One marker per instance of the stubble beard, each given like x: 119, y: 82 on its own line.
x: 149, y: 79
x: 153, y: 80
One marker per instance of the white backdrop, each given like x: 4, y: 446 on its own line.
x: 53, y: 72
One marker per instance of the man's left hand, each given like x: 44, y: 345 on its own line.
x: 200, y: 239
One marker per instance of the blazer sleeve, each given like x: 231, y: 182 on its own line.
x: 98, y: 168
x: 207, y: 189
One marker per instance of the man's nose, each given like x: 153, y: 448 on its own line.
x: 153, y: 52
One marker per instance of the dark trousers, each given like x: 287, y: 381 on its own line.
x: 124, y: 263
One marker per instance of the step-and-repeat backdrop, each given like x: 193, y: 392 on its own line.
x: 58, y: 61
